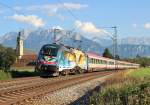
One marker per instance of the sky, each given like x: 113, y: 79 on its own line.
x: 90, y: 17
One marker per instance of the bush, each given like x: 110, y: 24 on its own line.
x: 124, y: 88
x: 136, y: 92
x: 7, y: 57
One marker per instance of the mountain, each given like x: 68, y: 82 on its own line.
x: 131, y: 50
x: 136, y: 40
x: 35, y: 39
x: 9, y: 39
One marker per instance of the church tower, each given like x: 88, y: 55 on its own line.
x: 19, y: 48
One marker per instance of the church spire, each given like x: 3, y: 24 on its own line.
x: 19, y: 47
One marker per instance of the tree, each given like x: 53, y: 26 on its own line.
x: 107, y: 53
x: 7, y: 57
x: 138, y: 56
x: 143, y: 61
x: 117, y: 57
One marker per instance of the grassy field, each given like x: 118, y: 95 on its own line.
x: 142, y: 72
x: 18, y: 72
x: 26, y: 68
x: 4, y: 75
x: 130, y: 87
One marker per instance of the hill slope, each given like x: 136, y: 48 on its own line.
x: 34, y: 39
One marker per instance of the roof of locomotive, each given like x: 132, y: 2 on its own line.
x: 53, y: 44
x: 64, y: 47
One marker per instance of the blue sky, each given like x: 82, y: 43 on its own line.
x: 132, y: 17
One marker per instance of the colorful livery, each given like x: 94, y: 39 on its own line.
x: 55, y: 59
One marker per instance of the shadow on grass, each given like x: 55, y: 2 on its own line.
x: 18, y: 74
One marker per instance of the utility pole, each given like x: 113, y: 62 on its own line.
x: 115, y: 44
x: 77, y: 38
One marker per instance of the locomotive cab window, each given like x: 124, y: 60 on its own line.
x: 49, y: 51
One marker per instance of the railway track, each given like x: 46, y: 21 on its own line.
x: 18, y: 81
x: 28, y: 90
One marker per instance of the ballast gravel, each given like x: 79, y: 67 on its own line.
x: 69, y: 95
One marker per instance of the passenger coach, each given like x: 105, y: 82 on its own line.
x: 98, y: 62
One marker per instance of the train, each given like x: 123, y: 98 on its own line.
x: 58, y: 59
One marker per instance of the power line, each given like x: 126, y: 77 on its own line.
x: 69, y: 11
x: 9, y: 7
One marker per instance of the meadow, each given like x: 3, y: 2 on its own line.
x: 18, y: 72
x: 130, y: 87
x: 4, y: 75
x: 142, y: 72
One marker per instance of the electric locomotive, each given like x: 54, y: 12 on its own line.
x: 54, y: 59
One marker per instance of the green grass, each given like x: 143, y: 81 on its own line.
x: 129, y: 93
x: 4, y: 75
x: 124, y: 89
x: 26, y: 71
x: 18, y: 74
x: 26, y: 68
x: 9, y: 74
x: 141, y: 72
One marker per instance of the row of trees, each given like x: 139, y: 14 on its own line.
x: 7, y: 57
x: 143, y: 61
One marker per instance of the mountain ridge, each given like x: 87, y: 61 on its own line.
x: 34, y: 39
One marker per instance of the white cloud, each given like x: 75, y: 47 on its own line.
x: 28, y: 19
x: 76, y: 6
x: 147, y: 25
x: 17, y: 8
x: 61, y: 17
x: 1, y: 11
x: 57, y: 27
x: 52, y: 9
x: 91, y: 30
x: 88, y: 27
x: 56, y: 7
x: 135, y: 25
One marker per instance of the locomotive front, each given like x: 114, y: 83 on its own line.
x: 47, y: 60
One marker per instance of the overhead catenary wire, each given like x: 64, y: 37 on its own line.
x: 65, y: 7
x: 9, y: 7
x: 76, y: 18
x: 13, y: 10
x: 68, y: 10
x: 72, y: 14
